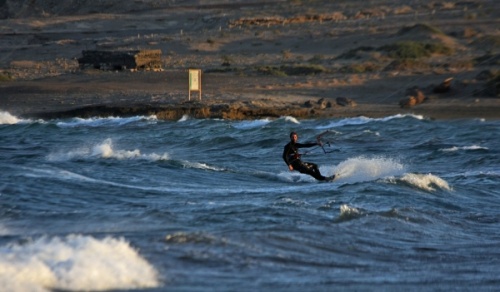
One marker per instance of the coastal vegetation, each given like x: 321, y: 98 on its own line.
x: 5, y: 76
x: 291, y: 70
x: 415, y: 50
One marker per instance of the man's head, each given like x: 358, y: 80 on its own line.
x: 294, y: 137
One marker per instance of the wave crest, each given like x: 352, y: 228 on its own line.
x: 427, y: 182
x: 246, y: 125
x: 361, y: 169
x: 7, y: 119
x: 465, y: 148
x: 74, y: 262
x: 105, y: 150
x: 102, y: 122
x: 347, y: 212
x: 365, y: 120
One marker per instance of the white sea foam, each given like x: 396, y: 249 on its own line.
x: 353, y: 170
x: 401, y: 116
x: 365, y: 120
x: 290, y: 119
x: 7, y: 119
x: 74, y: 263
x: 251, y: 124
x: 295, y: 176
x: 466, y: 148
x: 427, y: 182
x: 184, y: 118
x: 372, y: 132
x: 347, y: 211
x: 101, y: 122
x: 105, y: 150
x: 360, y: 169
x: 198, y: 165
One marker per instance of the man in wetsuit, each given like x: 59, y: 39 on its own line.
x: 291, y: 156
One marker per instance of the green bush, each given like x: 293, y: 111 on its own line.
x: 360, y: 68
x: 437, y: 48
x: 5, y: 76
x: 271, y: 70
x: 415, y: 50
x: 292, y: 70
x: 303, y: 69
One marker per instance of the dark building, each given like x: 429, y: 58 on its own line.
x: 121, y: 60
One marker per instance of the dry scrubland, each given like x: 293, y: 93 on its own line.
x: 259, y: 58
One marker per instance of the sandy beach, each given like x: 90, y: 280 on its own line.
x: 307, y: 59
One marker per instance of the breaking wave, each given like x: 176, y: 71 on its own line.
x: 466, y: 148
x: 366, y: 120
x: 427, y: 182
x: 245, y: 125
x: 100, y: 122
x: 74, y: 262
x: 7, y: 119
x: 361, y: 169
x: 105, y: 150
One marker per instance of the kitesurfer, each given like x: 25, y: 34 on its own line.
x: 291, y: 156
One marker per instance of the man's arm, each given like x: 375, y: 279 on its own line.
x: 286, y: 156
x: 285, y: 153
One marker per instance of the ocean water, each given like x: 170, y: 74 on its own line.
x: 143, y: 204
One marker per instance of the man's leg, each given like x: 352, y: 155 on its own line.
x: 313, y: 170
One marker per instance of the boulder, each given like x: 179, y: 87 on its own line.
x: 414, y: 96
x: 444, y: 87
x: 322, y: 103
x: 344, y: 101
x: 408, y: 102
x: 416, y: 93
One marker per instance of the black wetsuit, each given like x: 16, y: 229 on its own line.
x: 292, y: 157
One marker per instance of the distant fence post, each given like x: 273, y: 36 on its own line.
x: 194, y: 82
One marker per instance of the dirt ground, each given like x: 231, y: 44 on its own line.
x: 259, y: 58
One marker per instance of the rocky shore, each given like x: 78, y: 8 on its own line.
x: 225, y: 96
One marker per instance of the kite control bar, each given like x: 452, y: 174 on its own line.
x: 321, y: 144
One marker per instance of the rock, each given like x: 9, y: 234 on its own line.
x: 444, y: 87
x: 308, y: 103
x: 414, y: 96
x: 344, y: 101
x: 469, y: 33
x: 408, y: 102
x: 322, y: 103
x: 416, y: 93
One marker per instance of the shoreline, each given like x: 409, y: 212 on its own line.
x: 244, y: 111
x: 225, y: 96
